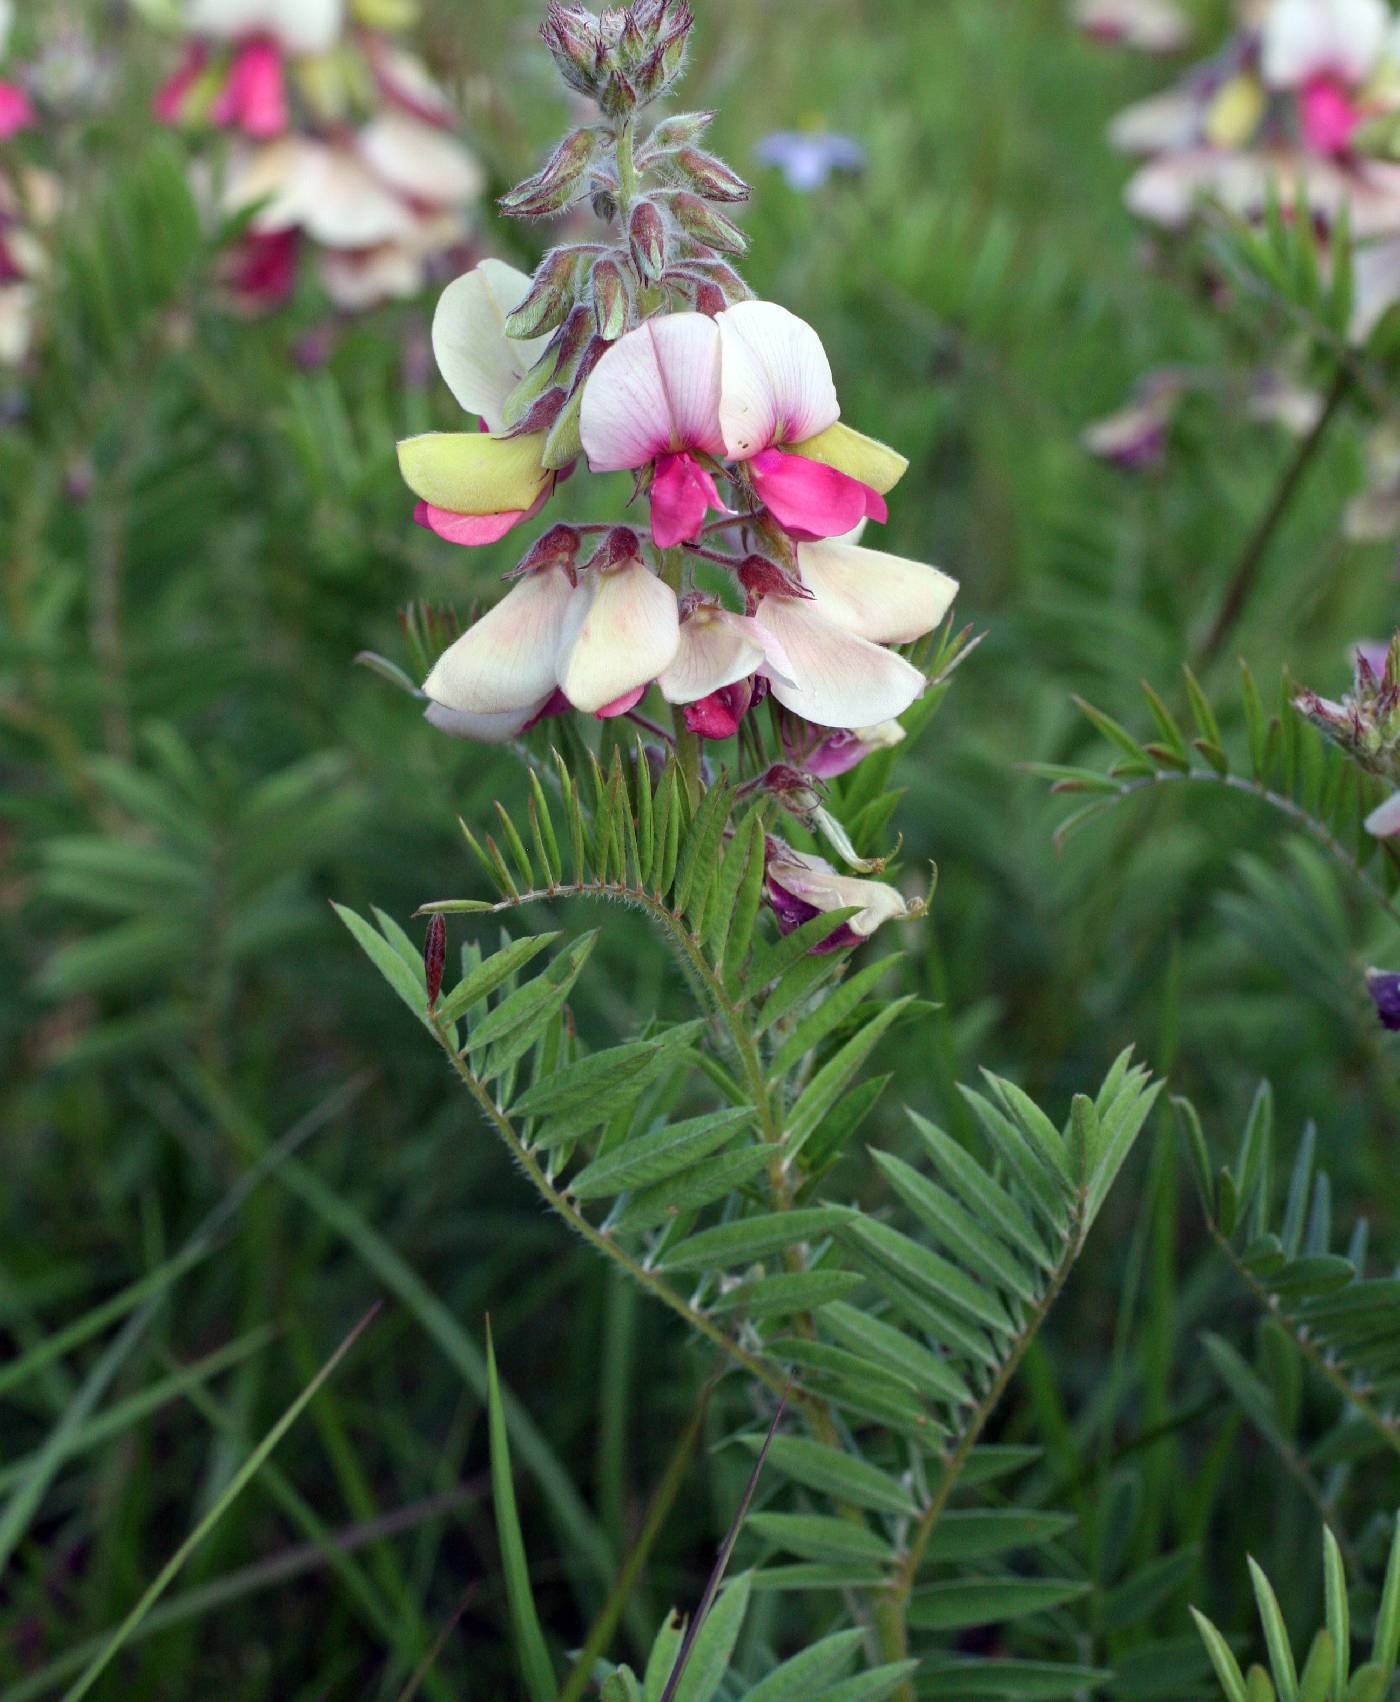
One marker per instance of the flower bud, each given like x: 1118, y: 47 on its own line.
x: 763, y: 578
x: 1384, y: 987
x: 551, y: 295
x: 617, y: 97
x: 618, y: 546
x: 560, y: 181
x: 605, y: 205
x: 564, y: 444
x: 711, y: 176
x: 677, y: 132
x: 1366, y: 723
x: 646, y: 231
x: 702, y: 222
x: 571, y: 36
x: 541, y: 415
x: 435, y: 958
x: 709, y: 300
x: 610, y: 304
x: 725, y: 279
x: 558, y: 547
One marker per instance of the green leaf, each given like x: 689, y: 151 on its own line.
x: 1387, y: 1639
x: 818, y: 1665
x: 588, y: 1083
x: 1338, y: 1612
x: 828, y: 1014
x: 874, y: 1686
x: 693, y: 1189
x: 410, y: 984
x: 844, y: 1477
x: 754, y: 1238
x: 927, y: 1272
x: 831, y: 1081
x: 978, y: 1533
x: 1281, y: 1661
x: 966, y: 1602
x: 662, y: 1659
x: 528, y: 1008
x: 799, y: 1291
x: 897, y: 1352
x: 530, y: 1649
x: 1032, y: 1681
x: 714, y: 1643
x: 1227, y: 1668
x: 814, y: 1536
x: 655, y: 1157
x: 955, y: 1228
x: 490, y: 974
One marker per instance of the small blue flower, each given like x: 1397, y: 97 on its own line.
x: 807, y: 158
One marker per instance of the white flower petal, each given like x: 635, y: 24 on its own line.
x: 482, y: 729
x: 481, y: 365
x: 1303, y: 39
x: 776, y: 384
x: 301, y: 26
x: 505, y: 662
x: 1160, y: 124
x: 885, y: 598
x: 422, y: 162
x: 1384, y: 821
x: 656, y: 390
x: 716, y: 649
x: 358, y: 279
x: 828, y: 675
x: 622, y: 630
x: 324, y: 190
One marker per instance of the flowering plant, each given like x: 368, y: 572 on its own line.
x: 339, y: 137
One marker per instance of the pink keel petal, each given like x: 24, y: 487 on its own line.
x: 476, y: 529
x: 1329, y: 116
x: 718, y: 715
x: 620, y: 705
x: 254, y: 99
x: 16, y: 112
x: 682, y: 493
x: 263, y: 269
x: 811, y: 500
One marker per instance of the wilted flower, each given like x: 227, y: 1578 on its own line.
x: 809, y: 158
x: 802, y: 886
x: 1135, y: 437
x: 837, y: 753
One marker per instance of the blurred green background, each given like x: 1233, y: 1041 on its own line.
x: 200, y: 528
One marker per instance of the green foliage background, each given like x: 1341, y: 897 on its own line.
x: 197, y: 536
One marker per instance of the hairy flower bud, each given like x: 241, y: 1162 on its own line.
x: 560, y: 182
x: 711, y: 176
x: 551, y: 295
x: 558, y: 547
x: 541, y: 415
x: 646, y: 231
x: 435, y: 958
x: 618, y: 96
x: 618, y: 546
x: 564, y: 444
x: 1366, y: 723
x: 701, y: 221
x: 610, y: 304
x: 677, y: 132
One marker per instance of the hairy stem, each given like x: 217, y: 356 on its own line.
x: 892, y: 1609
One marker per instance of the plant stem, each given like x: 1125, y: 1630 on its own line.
x: 892, y: 1609
x: 1256, y: 548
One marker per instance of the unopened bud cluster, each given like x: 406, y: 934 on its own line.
x: 669, y: 244
x: 1366, y: 723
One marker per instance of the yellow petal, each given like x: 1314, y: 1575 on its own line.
x: 471, y: 473
x: 1235, y: 112
x: 859, y: 457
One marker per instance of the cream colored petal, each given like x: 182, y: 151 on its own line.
x: 345, y: 206
x: 470, y: 473
x: 882, y: 597
x: 359, y: 279
x: 776, y: 384
x: 1162, y: 123
x: 480, y: 364
x: 16, y: 322
x: 621, y: 631
x: 1384, y: 821
x: 827, y: 675
x: 716, y: 649
x: 858, y: 456
x: 505, y: 663
x: 422, y: 162
x: 301, y: 26
x: 481, y: 729
x: 1316, y: 38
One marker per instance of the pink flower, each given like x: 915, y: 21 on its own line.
x: 752, y: 387
x: 254, y: 96
x: 1329, y: 116
x: 653, y: 401
x: 16, y: 111
x: 802, y: 887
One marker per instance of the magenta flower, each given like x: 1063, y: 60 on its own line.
x: 752, y: 387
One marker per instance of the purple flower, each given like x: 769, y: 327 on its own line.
x: 1384, y: 987
x: 807, y: 158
